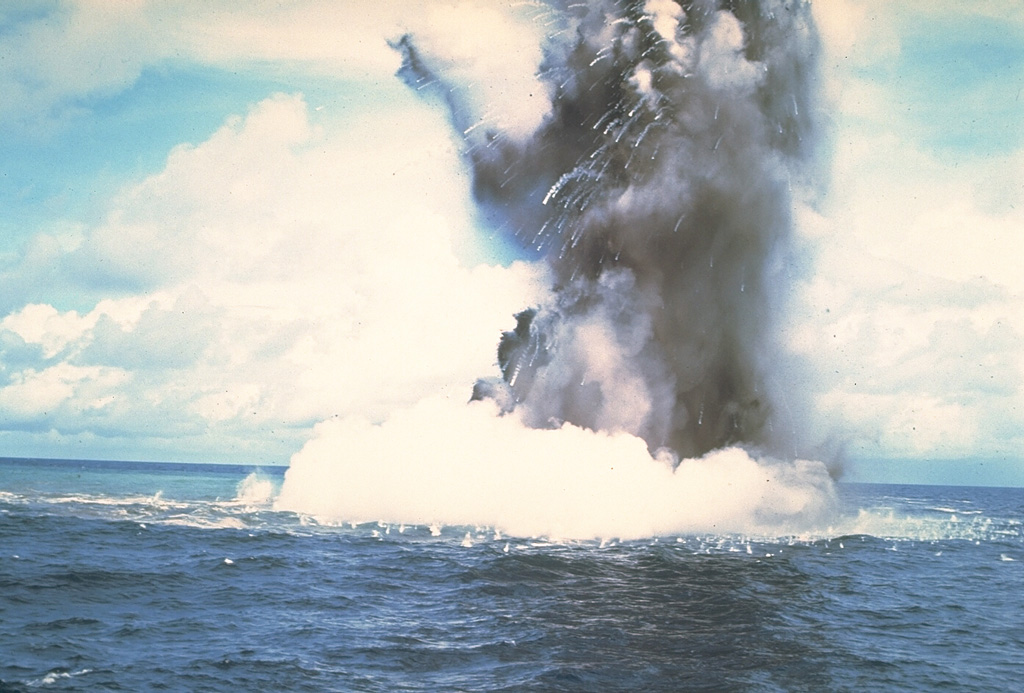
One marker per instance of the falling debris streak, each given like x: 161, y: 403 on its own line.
x: 607, y: 114
x: 556, y: 187
x: 515, y: 376
x: 629, y: 161
x: 624, y: 129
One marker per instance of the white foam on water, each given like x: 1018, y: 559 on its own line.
x: 914, y: 525
x: 200, y: 521
x: 55, y: 676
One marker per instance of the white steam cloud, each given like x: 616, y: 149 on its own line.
x: 445, y: 462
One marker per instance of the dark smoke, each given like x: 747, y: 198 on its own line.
x: 659, y: 190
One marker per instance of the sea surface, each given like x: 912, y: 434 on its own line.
x: 138, y: 577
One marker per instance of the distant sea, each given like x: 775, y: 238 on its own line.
x: 134, y: 577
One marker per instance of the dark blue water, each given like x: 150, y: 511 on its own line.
x: 181, y: 577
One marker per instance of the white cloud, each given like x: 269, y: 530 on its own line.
x: 80, y: 48
x: 43, y: 325
x: 329, y: 37
x: 289, y: 272
x: 916, y: 349
x: 491, y: 57
x: 75, y: 50
x: 914, y: 316
x: 958, y: 219
x: 58, y: 391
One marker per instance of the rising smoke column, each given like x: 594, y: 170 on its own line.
x: 658, y: 189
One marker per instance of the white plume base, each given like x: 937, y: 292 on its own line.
x: 444, y: 462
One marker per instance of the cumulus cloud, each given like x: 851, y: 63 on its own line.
x: 281, y: 272
x: 68, y: 52
x: 908, y: 365
x: 914, y: 314
x: 74, y: 50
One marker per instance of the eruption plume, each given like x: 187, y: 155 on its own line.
x: 658, y: 188
x: 648, y: 157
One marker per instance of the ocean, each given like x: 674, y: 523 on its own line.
x: 137, y: 577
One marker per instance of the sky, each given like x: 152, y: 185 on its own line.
x: 225, y: 223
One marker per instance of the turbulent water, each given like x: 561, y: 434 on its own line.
x: 120, y: 576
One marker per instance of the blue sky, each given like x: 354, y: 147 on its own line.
x: 72, y: 169
x: 221, y: 224
x: 954, y: 79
